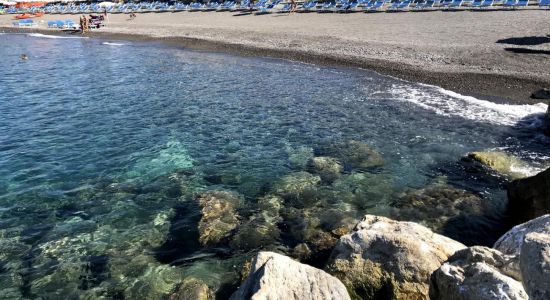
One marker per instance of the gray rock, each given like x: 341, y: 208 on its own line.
x: 510, y: 243
x: 535, y: 265
x: 529, y: 197
x: 541, y: 94
x: 383, y: 257
x: 477, y: 273
x: 274, y: 276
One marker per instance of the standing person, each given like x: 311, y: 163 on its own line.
x: 251, y: 5
x: 82, y: 24
x: 292, y: 6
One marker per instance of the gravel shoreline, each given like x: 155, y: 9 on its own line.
x: 501, y: 56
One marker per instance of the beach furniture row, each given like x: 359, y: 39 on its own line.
x: 268, y: 6
x: 67, y: 24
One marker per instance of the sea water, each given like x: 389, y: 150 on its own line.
x: 105, y: 145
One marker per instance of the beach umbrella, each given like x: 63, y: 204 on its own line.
x: 8, y: 3
x: 106, y: 4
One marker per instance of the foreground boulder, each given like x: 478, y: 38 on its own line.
x: 477, y: 273
x: 500, y: 162
x: 529, y: 198
x: 535, y: 265
x: 274, y: 276
x: 511, y: 242
x: 390, y: 259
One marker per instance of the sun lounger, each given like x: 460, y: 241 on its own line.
x: 307, y: 6
x: 510, y: 3
x: 52, y: 24
x: 368, y: 5
x: 327, y: 7
x: 195, y: 6
x: 268, y: 8
x: 377, y: 6
x: 544, y: 3
x: 424, y: 5
x: 476, y: 3
x: 393, y: 6
x: 227, y: 5
x: 487, y: 3
x: 455, y: 4
x: 349, y: 7
x: 24, y: 23
x: 522, y: 3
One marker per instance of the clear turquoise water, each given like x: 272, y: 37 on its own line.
x: 103, y: 147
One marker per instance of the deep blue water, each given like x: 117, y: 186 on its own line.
x: 104, y: 145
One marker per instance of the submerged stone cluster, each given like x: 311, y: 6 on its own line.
x: 184, y: 235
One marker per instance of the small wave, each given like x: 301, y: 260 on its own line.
x: 47, y: 36
x: 448, y: 103
x: 112, y: 44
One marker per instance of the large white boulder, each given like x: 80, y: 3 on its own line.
x: 277, y: 277
x: 383, y: 257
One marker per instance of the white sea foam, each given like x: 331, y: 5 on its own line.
x: 112, y: 44
x: 47, y: 36
x: 448, y: 103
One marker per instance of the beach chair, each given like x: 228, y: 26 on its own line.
x: 544, y: 3
x: 52, y: 24
x: 444, y: 3
x: 195, y: 6
x: 368, y: 5
x: 348, y: 7
x: 225, y: 6
x: 428, y: 5
x: 522, y: 3
x: 510, y: 3
x: 377, y: 6
x: 455, y: 4
x: 24, y: 23
x: 307, y: 6
x: 327, y: 7
x: 267, y: 8
x: 487, y: 3
x: 393, y: 7
x: 476, y: 4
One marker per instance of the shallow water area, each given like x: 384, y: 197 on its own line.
x: 107, y: 149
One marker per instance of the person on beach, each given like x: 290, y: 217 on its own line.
x: 132, y: 16
x: 24, y: 57
x: 251, y: 5
x: 292, y: 6
x: 82, y: 22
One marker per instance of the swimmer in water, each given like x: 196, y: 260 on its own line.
x: 24, y: 57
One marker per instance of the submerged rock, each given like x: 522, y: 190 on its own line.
x: 501, y: 163
x: 219, y: 218
x: 157, y: 282
x: 295, y: 184
x: 364, y: 190
x: 192, y: 289
x: 274, y: 276
x: 477, y: 273
x: 529, y: 198
x: 299, y: 157
x: 535, y: 265
x: 261, y: 228
x: 328, y: 168
x: 391, y: 259
x: 355, y: 155
x: 434, y: 206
